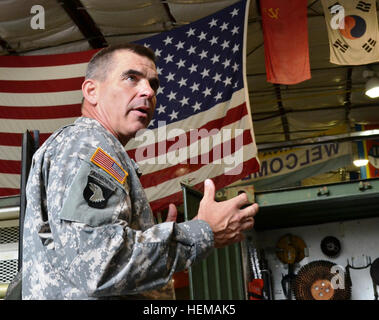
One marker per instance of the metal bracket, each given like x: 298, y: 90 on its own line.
x: 324, y: 191
x: 187, y: 182
x: 364, y: 186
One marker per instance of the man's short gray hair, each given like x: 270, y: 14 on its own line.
x: 101, y: 62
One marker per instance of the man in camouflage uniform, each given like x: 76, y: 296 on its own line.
x: 89, y: 231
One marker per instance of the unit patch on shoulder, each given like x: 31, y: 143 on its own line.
x: 97, y: 193
x: 109, y: 165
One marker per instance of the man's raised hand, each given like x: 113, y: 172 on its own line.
x: 226, y: 219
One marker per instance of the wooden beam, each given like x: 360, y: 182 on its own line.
x: 84, y: 22
x: 282, y: 111
x: 273, y: 114
x: 347, y: 102
x: 168, y: 11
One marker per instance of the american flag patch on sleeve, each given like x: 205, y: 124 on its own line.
x: 108, y: 164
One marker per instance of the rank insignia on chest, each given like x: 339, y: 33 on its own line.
x: 109, y: 165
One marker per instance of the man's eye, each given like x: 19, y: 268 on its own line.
x: 154, y: 85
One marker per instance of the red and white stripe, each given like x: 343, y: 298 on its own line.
x: 43, y: 93
x: 36, y: 93
x: 158, y: 176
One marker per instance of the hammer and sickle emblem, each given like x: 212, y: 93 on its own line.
x: 273, y: 13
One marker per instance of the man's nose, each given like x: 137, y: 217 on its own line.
x: 146, y: 89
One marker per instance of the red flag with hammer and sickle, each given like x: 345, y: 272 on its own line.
x: 285, y: 33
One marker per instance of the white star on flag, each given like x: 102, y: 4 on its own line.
x: 202, y: 87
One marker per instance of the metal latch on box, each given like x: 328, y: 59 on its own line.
x: 364, y: 186
x: 324, y: 191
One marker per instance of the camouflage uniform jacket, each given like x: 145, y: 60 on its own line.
x: 90, y: 235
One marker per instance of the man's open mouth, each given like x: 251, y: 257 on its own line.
x: 142, y: 110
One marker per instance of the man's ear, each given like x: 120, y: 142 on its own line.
x: 89, y: 90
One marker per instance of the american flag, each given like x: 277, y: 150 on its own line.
x: 106, y: 162
x: 202, y: 126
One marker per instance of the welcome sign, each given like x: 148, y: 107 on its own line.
x: 282, y: 162
x: 281, y: 167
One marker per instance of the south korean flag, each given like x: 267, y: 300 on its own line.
x: 352, y: 30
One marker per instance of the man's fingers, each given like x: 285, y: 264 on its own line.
x: 209, y: 190
x: 249, y: 211
x: 247, y: 224
x: 227, y: 219
x: 238, y: 238
x: 172, y: 213
x: 240, y: 200
x: 225, y: 242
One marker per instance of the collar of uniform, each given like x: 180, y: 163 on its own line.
x: 136, y: 167
x: 94, y: 123
x: 89, y: 122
